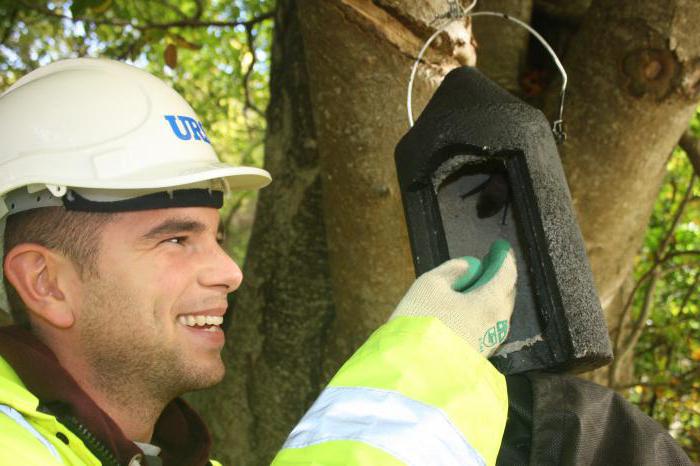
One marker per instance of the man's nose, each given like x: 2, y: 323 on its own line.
x: 221, y: 271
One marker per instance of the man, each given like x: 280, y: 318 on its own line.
x: 110, y: 190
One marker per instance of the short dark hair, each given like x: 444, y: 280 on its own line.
x: 74, y: 234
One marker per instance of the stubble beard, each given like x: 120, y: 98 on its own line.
x: 130, y: 363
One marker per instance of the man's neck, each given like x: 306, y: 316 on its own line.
x: 125, y: 401
x: 135, y: 414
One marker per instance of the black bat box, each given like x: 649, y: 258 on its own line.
x: 478, y: 165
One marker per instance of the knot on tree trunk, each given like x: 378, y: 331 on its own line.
x: 652, y: 72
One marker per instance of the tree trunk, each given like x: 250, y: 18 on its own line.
x: 566, y: 10
x: 356, y: 56
x: 329, y: 256
x: 274, y: 346
x: 502, y: 44
x: 634, y: 70
x: 359, y: 57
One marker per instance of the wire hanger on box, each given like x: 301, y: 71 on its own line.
x: 457, y: 12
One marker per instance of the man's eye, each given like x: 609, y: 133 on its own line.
x: 176, y: 240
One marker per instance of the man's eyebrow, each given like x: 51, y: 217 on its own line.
x: 174, y: 225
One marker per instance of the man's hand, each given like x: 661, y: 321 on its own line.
x: 473, y: 298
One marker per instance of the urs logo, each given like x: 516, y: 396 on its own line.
x: 189, y: 128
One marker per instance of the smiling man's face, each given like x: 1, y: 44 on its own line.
x: 151, y: 315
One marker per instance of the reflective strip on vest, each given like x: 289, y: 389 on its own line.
x: 411, y: 431
x: 19, y: 419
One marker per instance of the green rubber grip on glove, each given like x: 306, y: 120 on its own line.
x: 481, y: 272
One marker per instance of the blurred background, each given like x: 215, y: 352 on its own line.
x: 314, y: 91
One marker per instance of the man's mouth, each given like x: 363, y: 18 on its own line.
x: 205, y: 322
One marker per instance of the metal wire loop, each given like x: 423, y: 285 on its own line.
x: 558, y: 125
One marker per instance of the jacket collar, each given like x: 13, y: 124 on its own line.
x: 180, y: 432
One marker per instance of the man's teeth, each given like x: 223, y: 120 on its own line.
x: 200, y: 321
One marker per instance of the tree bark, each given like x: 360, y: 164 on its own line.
x: 329, y: 241
x: 566, y: 10
x: 329, y: 232
x: 358, y: 77
x: 634, y: 69
x: 274, y: 346
x: 503, y: 44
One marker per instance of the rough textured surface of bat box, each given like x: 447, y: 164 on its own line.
x: 480, y: 164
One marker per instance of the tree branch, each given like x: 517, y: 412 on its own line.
x: 183, y: 23
x: 638, y: 325
x: 685, y: 376
x: 664, y: 243
x: 674, y: 192
x: 140, y: 8
x: 689, y: 252
x: 661, y: 256
x: 200, y: 9
x: 691, y: 145
x: 689, y: 293
x: 129, y: 51
x: 250, y: 39
x: 10, y: 26
x: 397, y: 31
x: 648, y: 275
x: 676, y: 218
x: 172, y: 8
x: 232, y: 212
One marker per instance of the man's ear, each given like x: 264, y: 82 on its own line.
x: 39, y: 276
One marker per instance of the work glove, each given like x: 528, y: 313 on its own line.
x: 473, y: 298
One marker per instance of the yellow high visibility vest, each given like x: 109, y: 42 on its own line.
x: 29, y: 437
x: 414, y: 394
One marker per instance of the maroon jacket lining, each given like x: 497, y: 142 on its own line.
x: 179, y: 432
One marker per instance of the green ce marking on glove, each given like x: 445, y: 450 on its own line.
x: 479, y: 274
x: 494, y: 336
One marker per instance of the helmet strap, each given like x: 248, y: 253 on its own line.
x: 158, y: 200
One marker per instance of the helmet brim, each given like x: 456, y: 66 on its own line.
x: 183, y: 173
x: 172, y: 175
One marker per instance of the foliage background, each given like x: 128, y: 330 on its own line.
x: 217, y: 54
x: 221, y: 69
x: 666, y: 307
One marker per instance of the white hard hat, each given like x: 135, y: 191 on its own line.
x: 94, y: 125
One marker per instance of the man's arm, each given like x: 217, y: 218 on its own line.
x: 419, y: 391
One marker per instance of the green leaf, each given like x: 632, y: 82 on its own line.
x: 79, y: 7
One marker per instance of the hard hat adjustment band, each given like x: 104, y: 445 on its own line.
x: 57, y: 190
x: 22, y: 199
x: 159, y: 200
